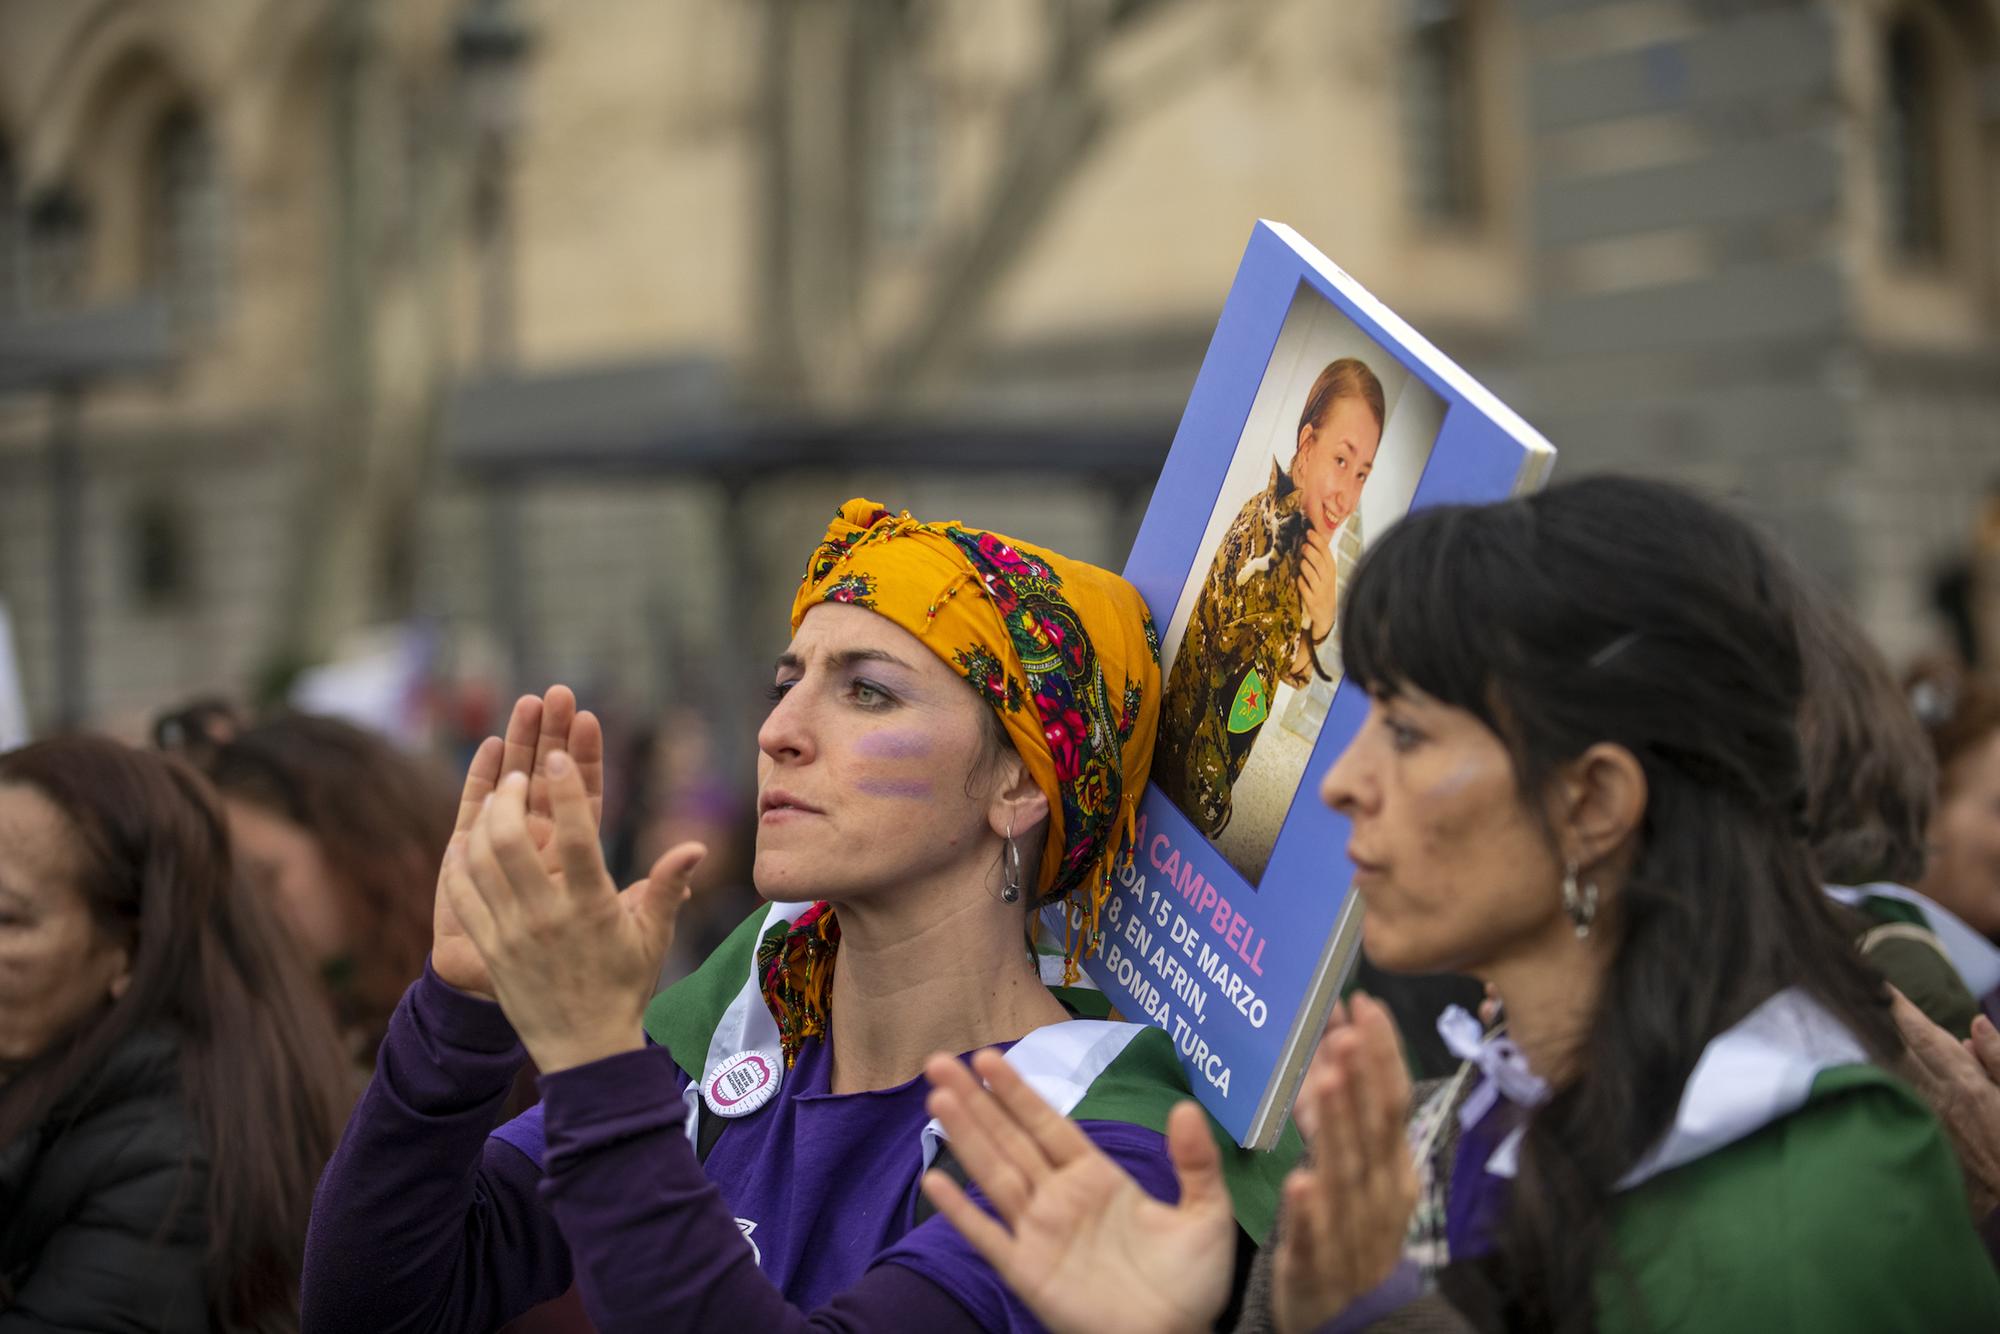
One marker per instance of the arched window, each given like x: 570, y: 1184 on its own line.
x: 185, y: 219
x: 160, y: 556
x: 1440, y: 113
x: 1912, y: 145
x: 57, y: 251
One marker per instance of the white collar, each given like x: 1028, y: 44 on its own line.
x: 1758, y: 1071
x: 1503, y: 1067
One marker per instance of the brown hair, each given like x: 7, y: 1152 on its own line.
x: 1870, y: 779
x: 1348, y: 377
x: 261, y: 1068
x: 381, y: 819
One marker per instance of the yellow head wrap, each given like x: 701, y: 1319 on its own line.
x: 1064, y: 652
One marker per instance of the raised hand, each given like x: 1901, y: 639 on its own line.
x: 560, y: 729
x: 1983, y: 1046
x: 572, y: 961
x: 1081, y: 1242
x: 1961, y: 1082
x: 539, y: 728
x: 1345, y: 1213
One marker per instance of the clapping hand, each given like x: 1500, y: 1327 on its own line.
x: 539, y: 728
x: 1081, y: 1242
x: 572, y: 960
x: 1961, y: 1082
x: 1345, y: 1213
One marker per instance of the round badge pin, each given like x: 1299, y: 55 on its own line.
x: 742, y: 1084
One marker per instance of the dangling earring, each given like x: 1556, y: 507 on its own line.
x: 1580, y: 905
x: 1010, y: 889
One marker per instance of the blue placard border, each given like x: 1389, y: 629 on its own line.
x: 1295, y: 905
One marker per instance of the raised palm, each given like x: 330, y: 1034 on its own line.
x: 1078, y: 1239
x: 538, y: 728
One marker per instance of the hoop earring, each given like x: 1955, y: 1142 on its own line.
x: 1010, y: 890
x: 1581, y: 905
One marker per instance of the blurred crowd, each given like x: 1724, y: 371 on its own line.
x: 261, y: 886
x: 202, y: 944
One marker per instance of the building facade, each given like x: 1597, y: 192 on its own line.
x: 471, y: 301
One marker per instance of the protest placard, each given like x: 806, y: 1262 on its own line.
x: 1318, y: 419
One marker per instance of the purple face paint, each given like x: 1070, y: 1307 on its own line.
x: 912, y: 789
x: 894, y: 744
x: 1458, y: 779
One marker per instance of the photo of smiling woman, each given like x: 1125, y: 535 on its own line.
x: 958, y: 736
x: 1329, y: 456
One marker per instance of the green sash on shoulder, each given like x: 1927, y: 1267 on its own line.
x: 1847, y: 1216
x: 1104, y: 1071
x: 1144, y: 1084
x: 683, y: 1018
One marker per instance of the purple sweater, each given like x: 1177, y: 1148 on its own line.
x: 428, y: 1221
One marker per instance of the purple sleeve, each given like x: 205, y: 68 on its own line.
x: 939, y: 1252
x: 622, y: 1181
x: 1403, y: 1286
x: 528, y: 1133
x: 420, y: 1223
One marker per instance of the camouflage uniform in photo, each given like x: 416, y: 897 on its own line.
x: 1243, y: 635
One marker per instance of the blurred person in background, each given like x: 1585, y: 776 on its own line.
x: 1966, y: 594
x: 168, y: 1088
x: 343, y: 831
x: 1871, y: 790
x: 676, y: 789
x: 1963, y: 718
x: 198, y: 729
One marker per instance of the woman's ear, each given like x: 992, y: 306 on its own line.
x: 1604, y: 803
x: 1306, y: 434
x: 1019, y: 803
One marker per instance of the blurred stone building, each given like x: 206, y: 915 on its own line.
x: 565, y: 324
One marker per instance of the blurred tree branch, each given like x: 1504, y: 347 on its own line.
x: 384, y: 352
x: 324, y: 588
x: 824, y: 63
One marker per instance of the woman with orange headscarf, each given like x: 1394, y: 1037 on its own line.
x: 959, y: 736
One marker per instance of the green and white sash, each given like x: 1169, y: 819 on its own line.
x: 1087, y: 1069
x: 1760, y: 1070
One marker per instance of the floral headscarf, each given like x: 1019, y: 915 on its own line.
x: 1067, y: 656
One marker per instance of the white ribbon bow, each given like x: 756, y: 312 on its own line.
x: 1499, y: 1060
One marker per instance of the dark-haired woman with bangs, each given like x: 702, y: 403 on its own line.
x: 169, y: 1085
x: 1580, y: 780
